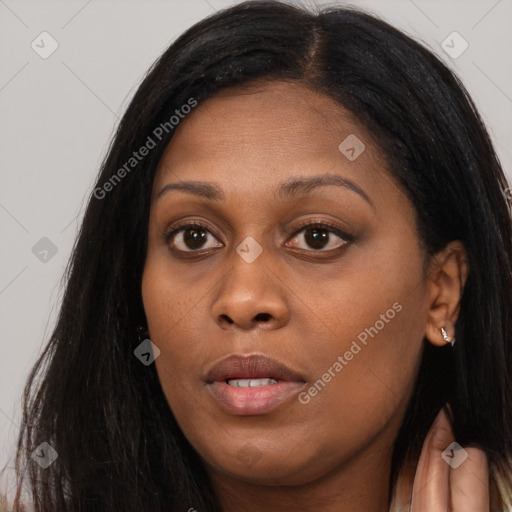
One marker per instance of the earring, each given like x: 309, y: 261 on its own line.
x: 446, y: 337
x: 142, y: 333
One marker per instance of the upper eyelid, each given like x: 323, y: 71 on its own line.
x: 323, y: 225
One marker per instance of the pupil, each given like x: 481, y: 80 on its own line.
x: 194, y: 238
x: 318, y: 238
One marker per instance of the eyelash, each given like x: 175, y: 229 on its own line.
x: 348, y: 239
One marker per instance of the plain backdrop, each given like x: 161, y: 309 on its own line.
x: 58, y: 113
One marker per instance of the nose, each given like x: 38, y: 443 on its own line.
x: 250, y: 296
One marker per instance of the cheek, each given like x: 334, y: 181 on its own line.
x: 176, y: 315
x: 364, y: 375
x: 365, y: 370
x: 369, y: 367
x: 171, y: 300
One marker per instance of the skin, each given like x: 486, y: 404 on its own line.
x: 438, y: 486
x: 334, y: 452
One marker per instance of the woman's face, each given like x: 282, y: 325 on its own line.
x: 341, y: 304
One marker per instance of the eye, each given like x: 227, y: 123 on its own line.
x: 190, y: 238
x: 319, y: 236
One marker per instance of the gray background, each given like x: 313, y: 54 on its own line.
x: 58, y: 114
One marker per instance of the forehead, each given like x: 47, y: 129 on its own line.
x: 266, y: 132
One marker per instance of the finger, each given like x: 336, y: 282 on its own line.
x: 469, y: 483
x: 402, y: 490
x: 431, y: 489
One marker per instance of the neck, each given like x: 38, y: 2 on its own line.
x: 361, y: 484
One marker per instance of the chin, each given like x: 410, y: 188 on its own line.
x: 250, y: 465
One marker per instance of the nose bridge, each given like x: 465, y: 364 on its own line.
x: 250, y: 293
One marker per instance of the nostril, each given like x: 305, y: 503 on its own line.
x: 226, y: 317
x: 262, y: 316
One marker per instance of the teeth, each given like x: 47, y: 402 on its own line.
x: 251, y: 383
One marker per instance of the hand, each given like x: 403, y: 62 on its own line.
x: 440, y: 488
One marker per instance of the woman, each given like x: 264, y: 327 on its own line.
x: 305, y: 213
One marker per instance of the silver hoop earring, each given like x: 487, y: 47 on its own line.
x: 446, y: 337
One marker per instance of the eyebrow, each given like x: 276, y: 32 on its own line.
x: 287, y: 189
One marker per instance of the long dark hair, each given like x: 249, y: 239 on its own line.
x: 119, y: 446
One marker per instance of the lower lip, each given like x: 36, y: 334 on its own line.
x: 256, y: 400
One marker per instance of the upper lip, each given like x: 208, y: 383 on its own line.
x: 252, y: 366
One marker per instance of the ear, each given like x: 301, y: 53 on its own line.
x: 447, y: 274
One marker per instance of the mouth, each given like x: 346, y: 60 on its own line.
x: 252, y: 384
